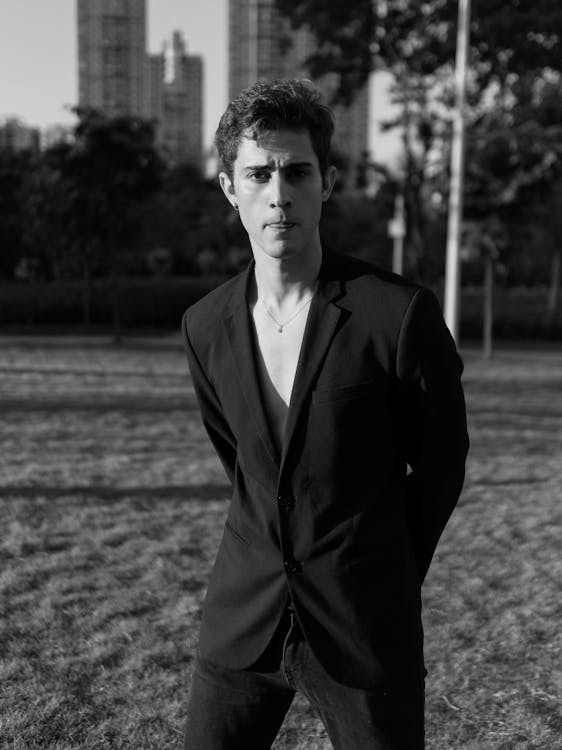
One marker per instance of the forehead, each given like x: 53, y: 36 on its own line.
x: 276, y: 146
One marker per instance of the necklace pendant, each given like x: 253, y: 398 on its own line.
x: 281, y: 326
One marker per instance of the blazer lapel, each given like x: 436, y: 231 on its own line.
x: 239, y: 330
x: 321, y: 325
x: 323, y: 318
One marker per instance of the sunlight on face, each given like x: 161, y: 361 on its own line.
x: 278, y: 188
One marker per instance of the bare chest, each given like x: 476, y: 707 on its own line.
x: 278, y: 355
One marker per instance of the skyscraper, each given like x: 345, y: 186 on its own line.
x: 112, y: 56
x: 257, y: 38
x: 117, y: 76
x: 176, y: 99
x: 15, y: 135
x: 263, y: 46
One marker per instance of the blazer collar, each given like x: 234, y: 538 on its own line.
x: 321, y: 325
x: 239, y: 328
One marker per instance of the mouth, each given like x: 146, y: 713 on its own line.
x: 281, y: 226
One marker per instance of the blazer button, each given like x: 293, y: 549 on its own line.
x: 286, y: 501
x: 292, y: 566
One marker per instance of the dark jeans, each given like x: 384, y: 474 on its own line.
x: 231, y: 710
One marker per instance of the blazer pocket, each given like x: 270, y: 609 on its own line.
x: 236, y: 534
x: 348, y: 392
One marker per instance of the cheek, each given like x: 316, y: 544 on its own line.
x: 250, y: 221
x: 249, y: 206
x: 315, y: 208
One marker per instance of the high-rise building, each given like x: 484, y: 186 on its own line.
x: 176, y: 99
x: 117, y: 76
x: 262, y: 46
x: 15, y: 135
x: 112, y: 56
x: 257, y: 39
x: 53, y: 134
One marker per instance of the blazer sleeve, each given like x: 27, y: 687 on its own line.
x: 433, y: 416
x: 211, y: 411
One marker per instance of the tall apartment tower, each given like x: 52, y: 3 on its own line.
x: 15, y: 135
x: 112, y: 56
x: 257, y: 37
x: 117, y: 76
x: 176, y: 100
x: 262, y: 46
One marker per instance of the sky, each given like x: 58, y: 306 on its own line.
x: 38, y: 54
x: 38, y: 59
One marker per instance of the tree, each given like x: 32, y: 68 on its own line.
x: 540, y: 107
x: 508, y: 38
x: 89, y: 195
x: 512, y: 42
x: 188, y: 216
x: 15, y: 168
x: 545, y: 218
x: 486, y: 240
x: 514, y: 163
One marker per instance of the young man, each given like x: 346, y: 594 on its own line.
x: 331, y: 392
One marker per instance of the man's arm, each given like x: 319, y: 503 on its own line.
x: 211, y: 412
x: 434, y: 422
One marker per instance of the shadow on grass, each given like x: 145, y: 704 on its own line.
x: 487, y: 482
x: 101, y: 492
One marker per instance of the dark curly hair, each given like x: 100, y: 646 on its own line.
x: 291, y: 104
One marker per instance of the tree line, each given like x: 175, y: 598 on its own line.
x: 106, y: 204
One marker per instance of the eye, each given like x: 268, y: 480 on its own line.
x: 259, y: 175
x: 298, y: 173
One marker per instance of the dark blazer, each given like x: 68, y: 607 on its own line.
x: 346, y: 521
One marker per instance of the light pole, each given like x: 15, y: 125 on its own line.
x: 452, y: 270
x: 397, y: 230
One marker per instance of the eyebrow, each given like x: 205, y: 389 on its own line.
x: 291, y: 165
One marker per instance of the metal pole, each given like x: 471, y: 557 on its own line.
x: 398, y: 244
x: 452, y: 271
x: 397, y: 230
x: 488, y: 304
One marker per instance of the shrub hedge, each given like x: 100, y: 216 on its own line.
x: 143, y: 302
x: 148, y: 303
x: 519, y: 313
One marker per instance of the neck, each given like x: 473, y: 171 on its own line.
x: 279, y: 280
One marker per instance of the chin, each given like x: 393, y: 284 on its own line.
x: 281, y: 251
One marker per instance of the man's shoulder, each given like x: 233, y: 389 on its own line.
x: 370, y: 282
x: 204, y: 314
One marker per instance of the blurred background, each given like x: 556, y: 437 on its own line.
x: 110, y: 212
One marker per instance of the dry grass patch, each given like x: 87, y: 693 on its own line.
x: 101, y: 602
x: 111, y: 507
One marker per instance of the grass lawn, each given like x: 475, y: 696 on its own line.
x: 111, y: 507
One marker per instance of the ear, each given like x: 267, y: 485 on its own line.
x: 228, y: 188
x: 328, y: 182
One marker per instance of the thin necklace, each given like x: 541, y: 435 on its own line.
x: 281, y: 326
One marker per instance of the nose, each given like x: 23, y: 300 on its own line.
x: 279, y: 191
